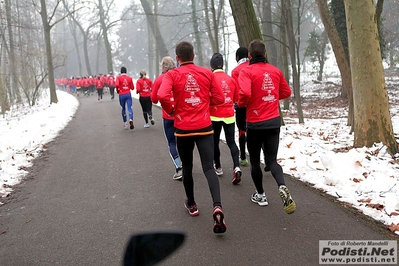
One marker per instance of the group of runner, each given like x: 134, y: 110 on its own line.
x: 197, y: 104
x: 87, y: 85
x: 202, y: 102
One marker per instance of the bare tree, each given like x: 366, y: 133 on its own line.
x: 104, y: 28
x: 84, y: 32
x: 213, y: 22
x: 47, y: 26
x: 4, y: 104
x: 154, y: 28
x: 263, y: 10
x: 11, y: 49
x: 197, y: 32
x: 372, y: 118
x: 293, y: 51
x: 339, y: 52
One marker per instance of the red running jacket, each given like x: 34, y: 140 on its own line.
x: 194, y: 90
x: 99, y: 83
x: 154, y: 95
x: 230, y: 90
x: 144, y: 87
x: 262, y: 85
x: 236, y: 71
x: 124, y: 84
x: 111, y: 81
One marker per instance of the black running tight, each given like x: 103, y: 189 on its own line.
x: 185, y: 147
x: 269, y: 139
x: 229, y: 132
x: 146, y: 106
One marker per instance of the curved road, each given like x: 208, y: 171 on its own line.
x: 97, y: 184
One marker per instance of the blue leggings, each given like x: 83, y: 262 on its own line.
x: 169, y: 130
x: 126, y: 99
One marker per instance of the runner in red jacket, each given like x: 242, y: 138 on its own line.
x: 193, y: 89
x: 99, y: 83
x: 242, y: 61
x: 144, y: 89
x: 222, y: 116
x: 167, y: 64
x: 124, y: 84
x: 262, y: 85
x: 111, y: 85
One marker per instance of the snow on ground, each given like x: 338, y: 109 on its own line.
x: 318, y: 152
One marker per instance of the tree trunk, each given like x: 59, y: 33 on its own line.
x: 4, y: 104
x: 105, y: 37
x: 267, y: 26
x: 197, y: 34
x: 339, y: 52
x: 157, y: 55
x: 154, y: 28
x: 284, y: 56
x: 85, y: 35
x: 286, y: 6
x: 72, y: 28
x: 49, y: 56
x: 371, y: 106
x: 247, y: 26
x: 14, y: 78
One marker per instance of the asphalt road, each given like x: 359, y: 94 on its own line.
x: 97, y: 184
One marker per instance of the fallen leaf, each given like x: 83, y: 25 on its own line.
x: 356, y: 180
x: 359, y: 163
x: 293, y: 169
x: 376, y: 152
x: 394, y: 213
x: 393, y: 227
x: 376, y: 206
x: 289, y: 145
x: 365, y: 200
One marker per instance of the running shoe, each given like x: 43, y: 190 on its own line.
x: 236, y: 176
x: 152, y: 120
x: 267, y: 168
x: 125, y: 125
x: 244, y: 162
x: 219, y: 171
x: 260, y: 199
x: 179, y: 174
x: 192, y: 210
x: 219, y: 226
x: 131, y: 124
x: 146, y: 125
x: 289, y: 203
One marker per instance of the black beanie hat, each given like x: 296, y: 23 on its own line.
x: 241, y: 53
x: 123, y: 69
x: 217, y: 61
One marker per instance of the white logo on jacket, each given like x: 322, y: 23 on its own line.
x: 268, y: 86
